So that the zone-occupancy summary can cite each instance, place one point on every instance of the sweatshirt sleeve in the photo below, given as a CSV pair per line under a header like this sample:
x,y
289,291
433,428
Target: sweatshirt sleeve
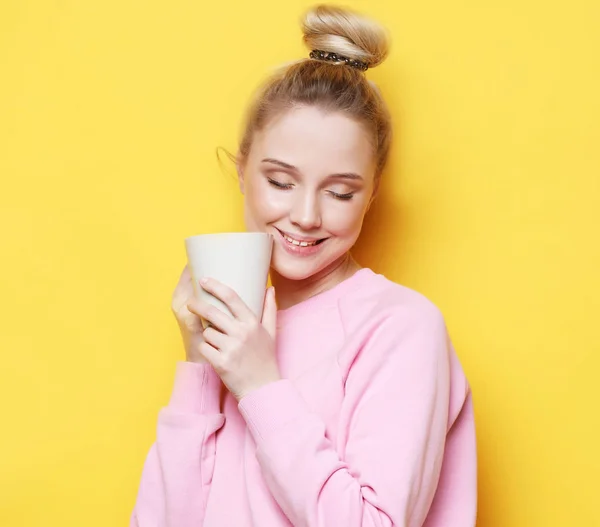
x,y
384,467
178,470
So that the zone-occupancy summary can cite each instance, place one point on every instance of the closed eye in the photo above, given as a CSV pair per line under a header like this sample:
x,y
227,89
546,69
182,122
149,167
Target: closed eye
x,y
287,186
347,196
277,184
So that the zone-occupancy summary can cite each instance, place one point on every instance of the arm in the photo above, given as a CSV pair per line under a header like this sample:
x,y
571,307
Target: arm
x,y
178,470
385,467
458,480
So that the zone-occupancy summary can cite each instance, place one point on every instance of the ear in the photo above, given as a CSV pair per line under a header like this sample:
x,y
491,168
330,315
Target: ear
x,y
240,171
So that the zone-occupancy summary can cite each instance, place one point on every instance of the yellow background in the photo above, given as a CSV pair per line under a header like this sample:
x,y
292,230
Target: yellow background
x,y
110,113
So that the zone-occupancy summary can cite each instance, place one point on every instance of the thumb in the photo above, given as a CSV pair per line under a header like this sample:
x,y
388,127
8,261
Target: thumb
x,y
269,315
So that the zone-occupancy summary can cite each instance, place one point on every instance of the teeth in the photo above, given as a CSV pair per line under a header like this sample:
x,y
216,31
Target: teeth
x,y
297,243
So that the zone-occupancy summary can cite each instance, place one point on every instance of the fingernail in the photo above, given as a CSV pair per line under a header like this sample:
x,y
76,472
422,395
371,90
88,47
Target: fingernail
x,y
204,281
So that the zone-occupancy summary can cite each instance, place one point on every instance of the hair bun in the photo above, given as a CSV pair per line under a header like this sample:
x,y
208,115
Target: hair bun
x,y
344,32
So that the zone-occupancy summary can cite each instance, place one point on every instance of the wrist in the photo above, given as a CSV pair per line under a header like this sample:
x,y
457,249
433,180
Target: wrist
x,y
196,360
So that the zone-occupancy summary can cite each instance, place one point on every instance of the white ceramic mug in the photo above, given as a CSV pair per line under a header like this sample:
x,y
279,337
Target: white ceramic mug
x,y
240,260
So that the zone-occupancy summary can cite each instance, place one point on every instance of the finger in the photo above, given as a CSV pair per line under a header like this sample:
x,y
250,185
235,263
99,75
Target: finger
x,y
185,273
229,297
215,338
212,355
182,289
211,314
185,277
269,314
189,321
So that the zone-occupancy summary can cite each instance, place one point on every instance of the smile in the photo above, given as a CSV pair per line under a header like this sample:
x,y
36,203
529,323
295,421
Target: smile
x,y
300,243
297,246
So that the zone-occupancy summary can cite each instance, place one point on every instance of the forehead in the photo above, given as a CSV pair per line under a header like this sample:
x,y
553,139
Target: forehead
x,y
317,142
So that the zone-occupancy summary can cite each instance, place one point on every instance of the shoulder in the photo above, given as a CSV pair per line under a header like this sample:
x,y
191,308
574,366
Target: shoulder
x,y
379,301
390,325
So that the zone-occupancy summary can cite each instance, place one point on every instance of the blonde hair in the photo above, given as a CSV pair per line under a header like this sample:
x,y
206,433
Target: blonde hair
x,y
328,85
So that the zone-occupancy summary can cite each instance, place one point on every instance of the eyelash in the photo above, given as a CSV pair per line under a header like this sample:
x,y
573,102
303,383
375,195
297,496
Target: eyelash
x,y
343,197
279,185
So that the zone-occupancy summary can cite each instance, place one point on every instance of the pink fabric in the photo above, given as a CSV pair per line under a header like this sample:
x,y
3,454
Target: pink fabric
x,y
372,425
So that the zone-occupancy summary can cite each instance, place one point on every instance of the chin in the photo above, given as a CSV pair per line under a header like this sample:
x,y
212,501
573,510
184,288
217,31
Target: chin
x,y
293,272
297,268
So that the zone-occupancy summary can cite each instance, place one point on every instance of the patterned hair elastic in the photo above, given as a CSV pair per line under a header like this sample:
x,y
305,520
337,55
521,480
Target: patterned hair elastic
x,y
338,59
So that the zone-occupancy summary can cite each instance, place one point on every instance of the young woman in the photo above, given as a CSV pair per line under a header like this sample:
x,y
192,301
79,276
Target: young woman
x,y
346,406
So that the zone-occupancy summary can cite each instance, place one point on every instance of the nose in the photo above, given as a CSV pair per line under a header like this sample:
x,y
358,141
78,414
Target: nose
x,y
306,212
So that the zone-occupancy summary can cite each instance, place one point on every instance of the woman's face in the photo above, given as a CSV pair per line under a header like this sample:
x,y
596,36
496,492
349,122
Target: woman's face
x,y
308,180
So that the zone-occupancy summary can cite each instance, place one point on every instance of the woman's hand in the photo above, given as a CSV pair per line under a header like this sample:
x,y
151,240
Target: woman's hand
x,y
189,323
241,348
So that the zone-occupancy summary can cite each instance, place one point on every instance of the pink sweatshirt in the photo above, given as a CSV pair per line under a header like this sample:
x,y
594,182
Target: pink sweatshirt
x,y
371,425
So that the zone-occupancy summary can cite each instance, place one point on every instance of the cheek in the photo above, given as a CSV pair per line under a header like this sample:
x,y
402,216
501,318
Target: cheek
x,y
263,202
345,221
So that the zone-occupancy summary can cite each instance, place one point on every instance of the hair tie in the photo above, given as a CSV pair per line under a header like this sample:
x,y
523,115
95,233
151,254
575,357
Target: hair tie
x,y
317,54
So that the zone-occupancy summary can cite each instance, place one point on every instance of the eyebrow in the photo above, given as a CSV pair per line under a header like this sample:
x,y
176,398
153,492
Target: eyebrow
x,y
287,166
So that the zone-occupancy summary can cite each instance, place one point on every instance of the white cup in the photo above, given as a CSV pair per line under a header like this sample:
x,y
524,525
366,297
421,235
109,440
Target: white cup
x,y
240,260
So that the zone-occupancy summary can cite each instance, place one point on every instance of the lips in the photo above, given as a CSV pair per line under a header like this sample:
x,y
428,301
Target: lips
x,y
300,246
301,241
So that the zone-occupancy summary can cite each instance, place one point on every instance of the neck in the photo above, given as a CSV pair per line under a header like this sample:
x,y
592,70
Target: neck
x,y
292,292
